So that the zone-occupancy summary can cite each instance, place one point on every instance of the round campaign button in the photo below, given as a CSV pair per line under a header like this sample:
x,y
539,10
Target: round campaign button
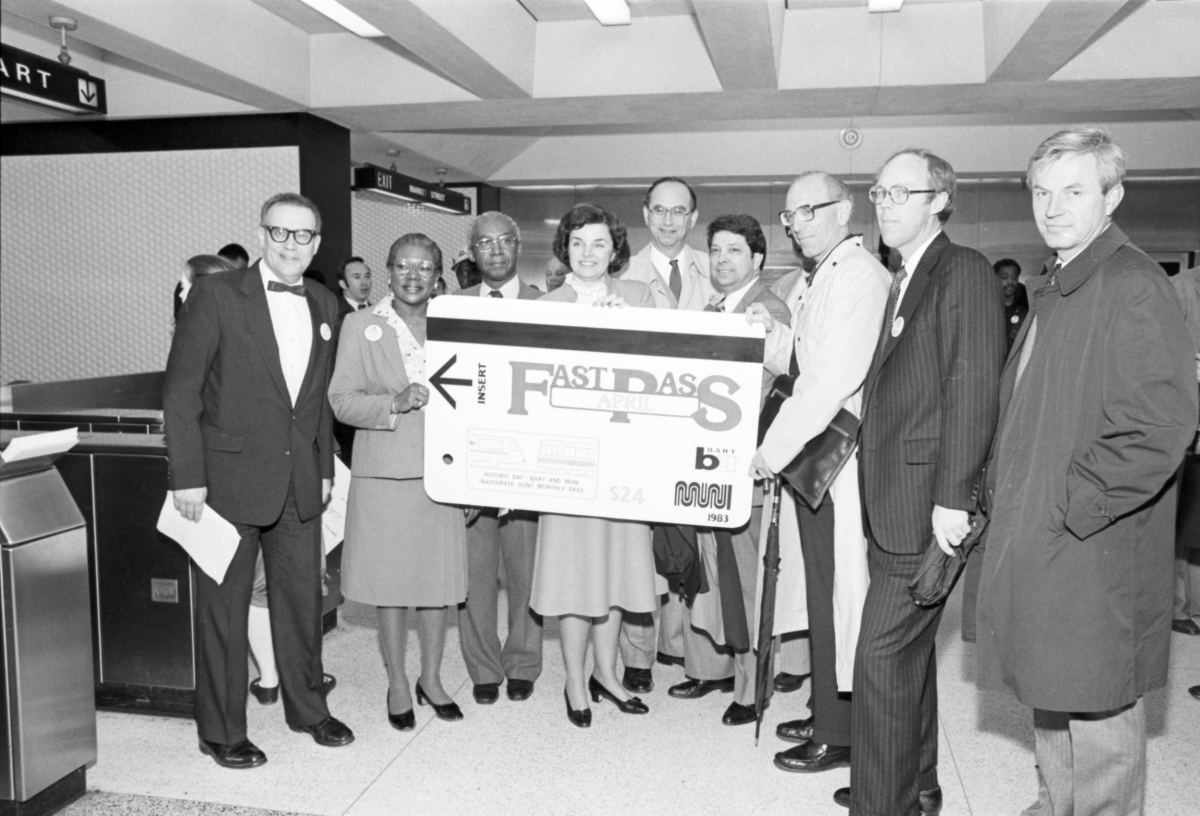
x,y
325,332
373,333
897,326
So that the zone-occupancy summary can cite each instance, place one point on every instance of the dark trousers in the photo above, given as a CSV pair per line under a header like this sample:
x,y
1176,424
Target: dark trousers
x,y
894,709
490,539
292,557
831,710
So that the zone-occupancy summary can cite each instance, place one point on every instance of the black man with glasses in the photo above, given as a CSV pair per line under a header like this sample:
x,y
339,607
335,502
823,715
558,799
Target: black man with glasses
x,y
249,434
930,406
495,247
678,277
837,310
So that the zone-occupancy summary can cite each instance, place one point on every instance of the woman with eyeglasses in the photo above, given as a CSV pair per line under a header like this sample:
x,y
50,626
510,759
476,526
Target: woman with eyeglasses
x,y
589,570
402,550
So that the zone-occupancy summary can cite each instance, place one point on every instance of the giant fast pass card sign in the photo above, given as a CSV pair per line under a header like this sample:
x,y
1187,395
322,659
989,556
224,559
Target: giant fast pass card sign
x,y
639,414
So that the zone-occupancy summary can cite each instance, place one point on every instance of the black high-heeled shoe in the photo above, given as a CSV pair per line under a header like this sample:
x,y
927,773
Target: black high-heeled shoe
x,y
401,722
582,718
448,712
633,705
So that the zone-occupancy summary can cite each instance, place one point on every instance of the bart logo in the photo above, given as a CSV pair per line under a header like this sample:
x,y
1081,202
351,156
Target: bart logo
x,y
87,93
715,459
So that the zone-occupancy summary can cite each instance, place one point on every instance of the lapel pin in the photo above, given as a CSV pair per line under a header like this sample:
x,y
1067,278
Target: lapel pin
x,y
373,333
897,326
325,333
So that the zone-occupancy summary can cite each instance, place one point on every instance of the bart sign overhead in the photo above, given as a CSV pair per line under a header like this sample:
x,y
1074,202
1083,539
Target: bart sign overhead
x,y
633,414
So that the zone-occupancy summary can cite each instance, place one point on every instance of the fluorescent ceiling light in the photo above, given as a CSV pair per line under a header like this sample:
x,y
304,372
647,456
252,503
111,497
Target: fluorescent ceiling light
x,y
875,6
344,17
610,12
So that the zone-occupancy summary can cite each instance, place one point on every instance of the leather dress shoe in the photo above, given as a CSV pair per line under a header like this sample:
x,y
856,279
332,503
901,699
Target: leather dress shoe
x,y
1195,692
795,730
401,722
637,681
1185,626
519,690
787,683
930,800
582,717
486,693
694,689
633,705
447,711
266,695
738,714
239,756
812,757
330,732
668,660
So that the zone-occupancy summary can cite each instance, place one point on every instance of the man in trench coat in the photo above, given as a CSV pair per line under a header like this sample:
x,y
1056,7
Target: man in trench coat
x,y
1098,403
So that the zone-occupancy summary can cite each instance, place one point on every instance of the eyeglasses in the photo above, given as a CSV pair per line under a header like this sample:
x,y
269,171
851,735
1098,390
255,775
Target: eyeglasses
x,y
897,194
659,212
804,213
280,235
402,268
490,244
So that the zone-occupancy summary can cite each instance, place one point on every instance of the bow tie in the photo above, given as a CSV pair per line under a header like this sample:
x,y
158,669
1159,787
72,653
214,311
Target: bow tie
x,y
276,286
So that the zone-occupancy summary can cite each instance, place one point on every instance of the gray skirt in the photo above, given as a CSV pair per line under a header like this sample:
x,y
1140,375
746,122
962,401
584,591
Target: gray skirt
x,y
402,548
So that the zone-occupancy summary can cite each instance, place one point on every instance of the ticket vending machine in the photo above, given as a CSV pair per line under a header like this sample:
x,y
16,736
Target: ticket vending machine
x,y
47,702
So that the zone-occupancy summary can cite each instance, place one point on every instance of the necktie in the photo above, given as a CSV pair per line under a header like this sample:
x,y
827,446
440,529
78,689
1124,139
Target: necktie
x,y
276,286
1054,273
495,293
720,304
676,281
894,297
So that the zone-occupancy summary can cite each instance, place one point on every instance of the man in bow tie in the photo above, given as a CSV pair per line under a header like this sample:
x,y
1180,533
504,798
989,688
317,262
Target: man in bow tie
x,y
249,436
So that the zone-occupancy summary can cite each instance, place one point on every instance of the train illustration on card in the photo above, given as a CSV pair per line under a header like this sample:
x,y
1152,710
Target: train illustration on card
x,y
506,460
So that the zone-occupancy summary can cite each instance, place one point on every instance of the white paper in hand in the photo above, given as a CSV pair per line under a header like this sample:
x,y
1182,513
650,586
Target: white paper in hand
x,y
333,520
211,542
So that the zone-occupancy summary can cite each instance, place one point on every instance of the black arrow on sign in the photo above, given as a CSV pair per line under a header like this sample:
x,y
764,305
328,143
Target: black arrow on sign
x,y
437,381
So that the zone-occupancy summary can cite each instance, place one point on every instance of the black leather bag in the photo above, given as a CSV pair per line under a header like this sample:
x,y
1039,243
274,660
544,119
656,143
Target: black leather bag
x,y
813,470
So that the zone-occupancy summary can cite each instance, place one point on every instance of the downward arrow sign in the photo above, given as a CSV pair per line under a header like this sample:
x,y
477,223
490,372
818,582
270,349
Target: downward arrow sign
x,y
438,381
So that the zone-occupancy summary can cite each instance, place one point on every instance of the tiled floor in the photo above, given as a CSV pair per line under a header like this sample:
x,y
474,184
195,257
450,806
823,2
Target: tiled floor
x,y
525,758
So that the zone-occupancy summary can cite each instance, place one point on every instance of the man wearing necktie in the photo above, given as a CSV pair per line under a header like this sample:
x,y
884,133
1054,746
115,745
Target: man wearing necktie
x,y
1098,405
678,278
249,436
737,251
355,282
496,245
828,349
929,412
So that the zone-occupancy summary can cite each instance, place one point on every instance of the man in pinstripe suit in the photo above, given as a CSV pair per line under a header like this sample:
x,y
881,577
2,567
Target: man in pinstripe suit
x,y
929,412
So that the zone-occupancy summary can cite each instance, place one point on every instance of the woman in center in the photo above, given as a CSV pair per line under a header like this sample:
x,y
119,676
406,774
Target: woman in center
x,y
588,570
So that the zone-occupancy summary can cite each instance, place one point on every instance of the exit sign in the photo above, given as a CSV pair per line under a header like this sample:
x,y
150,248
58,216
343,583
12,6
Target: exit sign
x,y
48,82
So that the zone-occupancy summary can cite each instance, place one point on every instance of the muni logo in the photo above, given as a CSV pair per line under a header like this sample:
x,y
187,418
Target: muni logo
x,y
703,494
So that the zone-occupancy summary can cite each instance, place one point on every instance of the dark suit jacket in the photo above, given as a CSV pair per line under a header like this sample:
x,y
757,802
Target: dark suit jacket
x,y
525,292
229,421
759,292
930,400
344,308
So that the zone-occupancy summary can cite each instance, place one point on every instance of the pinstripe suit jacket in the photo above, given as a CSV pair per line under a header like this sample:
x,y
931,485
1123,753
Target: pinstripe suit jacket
x,y
930,401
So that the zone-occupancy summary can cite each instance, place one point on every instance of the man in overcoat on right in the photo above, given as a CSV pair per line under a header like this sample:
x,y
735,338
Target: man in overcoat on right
x,y
1098,403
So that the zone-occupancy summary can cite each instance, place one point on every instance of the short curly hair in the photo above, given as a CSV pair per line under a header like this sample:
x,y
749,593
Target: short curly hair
x,y
580,216
418,239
